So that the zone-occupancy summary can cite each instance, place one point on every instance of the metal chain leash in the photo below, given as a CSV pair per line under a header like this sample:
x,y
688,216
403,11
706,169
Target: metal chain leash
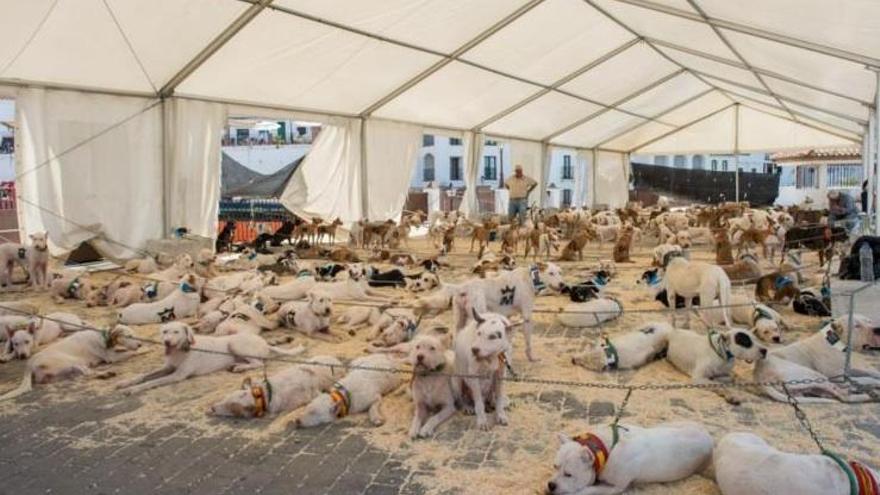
x,y
802,417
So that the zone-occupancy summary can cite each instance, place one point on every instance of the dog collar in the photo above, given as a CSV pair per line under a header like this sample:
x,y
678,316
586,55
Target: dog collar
x,y
597,447
185,287
611,357
782,281
151,290
252,255
833,339
717,344
73,287
861,480
502,358
342,398
410,330
41,249
654,279
22,253
761,314
304,273
262,397
109,339
600,280
535,275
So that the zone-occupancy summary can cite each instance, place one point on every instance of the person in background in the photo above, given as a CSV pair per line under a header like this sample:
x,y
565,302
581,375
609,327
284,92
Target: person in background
x,y
842,210
520,187
865,196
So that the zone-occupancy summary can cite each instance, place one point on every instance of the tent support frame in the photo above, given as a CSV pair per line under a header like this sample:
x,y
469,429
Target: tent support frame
x,y
874,158
680,128
736,148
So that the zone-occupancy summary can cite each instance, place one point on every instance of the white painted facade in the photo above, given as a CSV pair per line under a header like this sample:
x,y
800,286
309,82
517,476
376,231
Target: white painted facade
x,y
440,162
748,162
7,118
807,183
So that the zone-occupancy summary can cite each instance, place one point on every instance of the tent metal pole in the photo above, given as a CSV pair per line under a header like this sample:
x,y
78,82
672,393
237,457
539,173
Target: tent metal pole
x,y
166,155
868,164
683,126
796,112
614,105
739,65
736,148
594,165
656,117
875,157
759,33
216,44
738,55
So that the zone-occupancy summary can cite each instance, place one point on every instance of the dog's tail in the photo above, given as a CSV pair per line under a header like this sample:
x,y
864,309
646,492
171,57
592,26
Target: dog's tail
x,y
296,351
26,385
780,397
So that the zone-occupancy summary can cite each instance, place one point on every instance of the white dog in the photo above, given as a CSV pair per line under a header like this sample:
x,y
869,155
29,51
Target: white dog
x,y
746,465
182,303
22,340
481,348
608,462
590,314
75,355
311,317
284,391
709,359
245,319
690,279
507,294
431,388
33,258
777,369
291,291
186,357
182,264
360,390
626,351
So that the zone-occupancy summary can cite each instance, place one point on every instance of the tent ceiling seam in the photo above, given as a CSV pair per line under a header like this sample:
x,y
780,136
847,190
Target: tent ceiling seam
x,y
130,46
763,72
759,33
801,114
30,39
213,46
805,124
738,55
680,128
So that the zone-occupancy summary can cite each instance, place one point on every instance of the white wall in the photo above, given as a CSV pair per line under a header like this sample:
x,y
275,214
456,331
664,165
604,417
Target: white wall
x,y
7,167
266,159
747,161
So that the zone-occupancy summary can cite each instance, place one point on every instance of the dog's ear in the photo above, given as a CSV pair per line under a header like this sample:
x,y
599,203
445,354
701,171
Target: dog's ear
x,y
190,336
32,327
563,437
477,316
246,383
10,331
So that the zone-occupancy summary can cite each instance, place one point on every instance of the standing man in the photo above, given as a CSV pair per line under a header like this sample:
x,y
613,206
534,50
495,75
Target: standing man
x,y
842,211
520,187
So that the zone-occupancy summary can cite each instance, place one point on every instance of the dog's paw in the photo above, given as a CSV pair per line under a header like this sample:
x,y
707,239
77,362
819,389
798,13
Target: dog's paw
x,y
733,400
483,424
467,411
501,418
426,432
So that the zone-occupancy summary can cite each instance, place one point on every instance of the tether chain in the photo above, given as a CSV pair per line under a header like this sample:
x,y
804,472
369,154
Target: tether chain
x,y
622,406
802,418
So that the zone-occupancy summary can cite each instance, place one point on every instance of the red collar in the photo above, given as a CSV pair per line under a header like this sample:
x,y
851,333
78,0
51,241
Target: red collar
x,y
597,447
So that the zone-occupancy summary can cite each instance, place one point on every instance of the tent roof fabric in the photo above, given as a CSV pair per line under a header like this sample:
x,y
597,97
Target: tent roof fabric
x,y
244,182
622,75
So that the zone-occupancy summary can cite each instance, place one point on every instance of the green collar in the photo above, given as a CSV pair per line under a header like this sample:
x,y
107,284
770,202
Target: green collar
x,y
611,357
853,482
717,344
761,314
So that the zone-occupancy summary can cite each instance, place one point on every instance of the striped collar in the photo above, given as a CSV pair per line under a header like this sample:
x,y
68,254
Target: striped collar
x,y
341,397
597,447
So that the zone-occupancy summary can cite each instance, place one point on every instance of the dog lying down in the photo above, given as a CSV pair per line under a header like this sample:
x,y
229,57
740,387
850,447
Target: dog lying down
x,y
284,391
591,313
746,465
626,351
23,339
186,357
607,462
75,355
360,390
182,303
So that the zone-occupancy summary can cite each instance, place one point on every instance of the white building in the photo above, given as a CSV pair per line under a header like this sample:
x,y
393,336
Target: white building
x,y
808,175
252,131
440,163
748,162
7,142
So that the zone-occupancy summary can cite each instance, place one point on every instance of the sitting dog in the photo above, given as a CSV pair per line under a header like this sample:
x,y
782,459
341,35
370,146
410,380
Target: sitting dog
x,y
746,465
360,390
34,259
433,398
608,460
236,353
182,303
623,245
481,348
708,359
75,355
626,351
283,392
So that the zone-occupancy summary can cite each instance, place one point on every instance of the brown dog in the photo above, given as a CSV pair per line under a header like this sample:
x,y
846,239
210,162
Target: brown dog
x,y
623,245
576,246
481,234
723,250
746,269
342,254
776,288
329,230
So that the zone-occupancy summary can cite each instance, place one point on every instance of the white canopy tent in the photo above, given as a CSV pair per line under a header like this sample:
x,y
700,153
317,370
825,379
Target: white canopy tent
x,y
605,77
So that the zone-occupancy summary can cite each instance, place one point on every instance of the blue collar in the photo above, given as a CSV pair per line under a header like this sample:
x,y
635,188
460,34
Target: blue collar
x,y
535,275
782,281
304,273
186,288
252,256
600,280
654,279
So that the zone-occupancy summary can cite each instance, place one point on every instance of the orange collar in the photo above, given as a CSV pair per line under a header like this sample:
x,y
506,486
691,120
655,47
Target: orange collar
x,y
261,402
597,447
342,397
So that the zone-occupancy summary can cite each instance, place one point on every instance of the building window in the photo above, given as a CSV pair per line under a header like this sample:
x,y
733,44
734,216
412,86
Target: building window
x,y
454,142
661,160
566,168
679,161
454,168
724,165
490,170
301,131
428,170
489,142
787,177
697,162
807,177
844,175
428,140
714,165
566,197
